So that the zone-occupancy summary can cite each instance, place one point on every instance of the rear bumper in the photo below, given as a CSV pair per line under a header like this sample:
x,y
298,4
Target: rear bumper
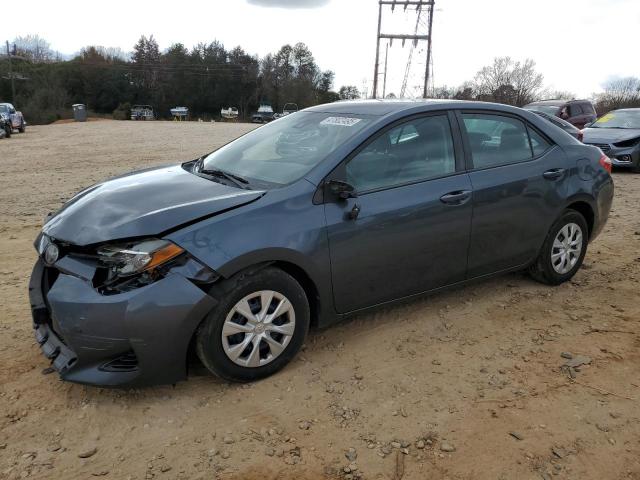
x,y
136,338
604,199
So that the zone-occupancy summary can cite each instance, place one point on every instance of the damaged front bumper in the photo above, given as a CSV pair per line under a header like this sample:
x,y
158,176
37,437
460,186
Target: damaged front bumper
x,y
134,338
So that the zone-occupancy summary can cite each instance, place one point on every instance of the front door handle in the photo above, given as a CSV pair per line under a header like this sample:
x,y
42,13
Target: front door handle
x,y
459,197
553,174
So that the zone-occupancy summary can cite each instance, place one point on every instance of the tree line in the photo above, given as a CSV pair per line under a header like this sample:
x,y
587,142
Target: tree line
x,y
208,77
518,83
204,78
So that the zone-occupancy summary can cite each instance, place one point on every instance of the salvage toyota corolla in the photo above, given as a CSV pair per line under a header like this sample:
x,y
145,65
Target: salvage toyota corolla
x,y
317,215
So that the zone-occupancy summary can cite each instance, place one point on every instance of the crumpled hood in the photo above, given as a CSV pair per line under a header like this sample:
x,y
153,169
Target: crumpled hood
x,y
144,203
609,135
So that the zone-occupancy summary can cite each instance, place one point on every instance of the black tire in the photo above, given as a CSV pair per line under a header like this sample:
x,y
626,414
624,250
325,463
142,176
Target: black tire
x,y
209,344
542,269
8,130
22,127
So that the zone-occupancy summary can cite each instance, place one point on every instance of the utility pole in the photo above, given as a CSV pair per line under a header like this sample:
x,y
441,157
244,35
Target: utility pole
x,y
426,74
375,70
13,86
384,81
415,37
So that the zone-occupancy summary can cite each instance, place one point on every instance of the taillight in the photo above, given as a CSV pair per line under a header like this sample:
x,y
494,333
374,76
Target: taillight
x,y
580,135
605,162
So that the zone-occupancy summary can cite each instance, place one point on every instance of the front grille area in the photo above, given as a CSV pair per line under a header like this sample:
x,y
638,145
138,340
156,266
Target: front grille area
x,y
127,362
49,277
605,147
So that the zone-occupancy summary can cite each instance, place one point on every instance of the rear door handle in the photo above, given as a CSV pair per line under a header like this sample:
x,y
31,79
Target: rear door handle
x,y
456,198
553,174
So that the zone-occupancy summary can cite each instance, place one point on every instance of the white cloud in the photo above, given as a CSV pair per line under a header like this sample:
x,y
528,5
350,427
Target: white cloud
x,y
289,3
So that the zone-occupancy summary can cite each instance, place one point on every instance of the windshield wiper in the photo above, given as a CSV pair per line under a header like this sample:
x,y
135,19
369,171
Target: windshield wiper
x,y
237,180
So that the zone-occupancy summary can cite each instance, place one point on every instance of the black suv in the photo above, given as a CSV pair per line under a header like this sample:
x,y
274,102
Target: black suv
x,y
576,112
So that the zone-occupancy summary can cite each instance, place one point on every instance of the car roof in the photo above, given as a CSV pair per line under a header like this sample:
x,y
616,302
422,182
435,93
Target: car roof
x,y
627,110
388,106
557,102
554,119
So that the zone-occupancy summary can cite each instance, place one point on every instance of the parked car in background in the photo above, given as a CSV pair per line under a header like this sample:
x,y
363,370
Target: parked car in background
x,y
558,122
16,119
238,252
577,112
263,115
230,113
142,112
5,125
288,109
617,133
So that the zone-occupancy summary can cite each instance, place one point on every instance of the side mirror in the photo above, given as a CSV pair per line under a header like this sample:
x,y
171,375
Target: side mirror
x,y
342,190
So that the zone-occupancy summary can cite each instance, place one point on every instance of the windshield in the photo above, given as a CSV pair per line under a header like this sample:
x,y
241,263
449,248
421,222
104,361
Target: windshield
x,y
286,149
619,119
548,109
4,109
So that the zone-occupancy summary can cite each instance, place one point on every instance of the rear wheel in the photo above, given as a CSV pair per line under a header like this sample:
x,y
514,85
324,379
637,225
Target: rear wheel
x,y
257,328
563,250
22,127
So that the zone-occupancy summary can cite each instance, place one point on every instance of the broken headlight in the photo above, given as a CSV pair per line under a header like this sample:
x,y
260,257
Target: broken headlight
x,y
132,259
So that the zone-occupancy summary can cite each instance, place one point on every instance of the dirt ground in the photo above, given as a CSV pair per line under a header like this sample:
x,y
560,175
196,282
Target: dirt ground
x,y
465,384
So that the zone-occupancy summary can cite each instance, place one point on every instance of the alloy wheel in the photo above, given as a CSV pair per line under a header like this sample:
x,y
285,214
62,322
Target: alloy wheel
x,y
258,328
566,248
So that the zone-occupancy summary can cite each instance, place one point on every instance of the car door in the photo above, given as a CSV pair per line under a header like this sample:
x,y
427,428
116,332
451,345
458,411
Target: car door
x,y
518,177
407,231
589,113
576,115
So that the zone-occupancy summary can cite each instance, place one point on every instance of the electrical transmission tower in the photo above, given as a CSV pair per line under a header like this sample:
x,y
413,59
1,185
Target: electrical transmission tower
x,y
424,21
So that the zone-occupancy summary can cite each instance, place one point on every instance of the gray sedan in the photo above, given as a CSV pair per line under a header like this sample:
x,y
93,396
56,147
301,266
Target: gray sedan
x,y
321,214
560,123
618,135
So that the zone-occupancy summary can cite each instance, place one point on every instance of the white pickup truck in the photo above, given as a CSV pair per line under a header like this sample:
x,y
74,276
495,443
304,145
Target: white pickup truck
x,y
16,120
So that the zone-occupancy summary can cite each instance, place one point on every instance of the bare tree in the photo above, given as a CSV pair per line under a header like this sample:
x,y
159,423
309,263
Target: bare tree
x,y
526,82
508,81
557,94
34,48
619,93
443,92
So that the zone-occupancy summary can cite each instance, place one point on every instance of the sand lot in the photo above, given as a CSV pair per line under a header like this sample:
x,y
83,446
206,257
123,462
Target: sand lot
x,y
464,384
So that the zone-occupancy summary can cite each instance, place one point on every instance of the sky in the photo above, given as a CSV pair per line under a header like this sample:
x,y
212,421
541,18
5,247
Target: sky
x,y
576,44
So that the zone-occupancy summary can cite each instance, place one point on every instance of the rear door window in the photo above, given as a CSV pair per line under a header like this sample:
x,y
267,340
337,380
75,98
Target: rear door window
x,y
501,140
539,144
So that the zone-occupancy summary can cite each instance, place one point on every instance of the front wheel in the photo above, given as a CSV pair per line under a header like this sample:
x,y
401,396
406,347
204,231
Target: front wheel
x,y
257,328
8,130
563,250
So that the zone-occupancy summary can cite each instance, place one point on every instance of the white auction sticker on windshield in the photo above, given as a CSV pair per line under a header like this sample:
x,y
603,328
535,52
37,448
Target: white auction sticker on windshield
x,y
341,121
